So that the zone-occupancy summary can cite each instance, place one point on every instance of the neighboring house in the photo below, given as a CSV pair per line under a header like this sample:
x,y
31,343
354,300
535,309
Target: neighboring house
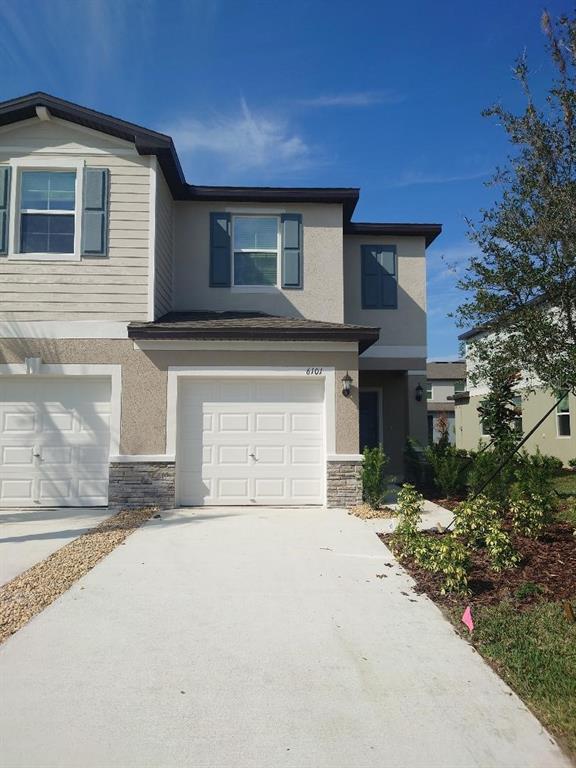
x,y
556,436
167,343
443,380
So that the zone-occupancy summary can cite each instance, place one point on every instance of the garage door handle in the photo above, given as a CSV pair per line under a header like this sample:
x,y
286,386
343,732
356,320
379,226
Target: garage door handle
x,y
253,456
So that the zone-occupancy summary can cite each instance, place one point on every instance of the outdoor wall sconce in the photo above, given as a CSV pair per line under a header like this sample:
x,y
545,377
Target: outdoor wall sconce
x,y
347,385
419,393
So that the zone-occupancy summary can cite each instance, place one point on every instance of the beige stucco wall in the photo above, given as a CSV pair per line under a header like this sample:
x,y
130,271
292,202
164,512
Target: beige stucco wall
x,y
534,406
144,381
322,295
111,288
405,325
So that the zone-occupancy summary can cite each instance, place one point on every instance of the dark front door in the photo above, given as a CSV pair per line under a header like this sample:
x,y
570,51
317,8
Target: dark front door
x,y
369,420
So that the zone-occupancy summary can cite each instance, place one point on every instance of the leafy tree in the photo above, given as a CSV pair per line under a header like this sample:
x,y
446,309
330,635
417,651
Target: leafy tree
x,y
522,284
499,410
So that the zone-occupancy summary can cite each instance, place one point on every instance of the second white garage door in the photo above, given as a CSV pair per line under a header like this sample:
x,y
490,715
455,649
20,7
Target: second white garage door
x,y
54,441
251,441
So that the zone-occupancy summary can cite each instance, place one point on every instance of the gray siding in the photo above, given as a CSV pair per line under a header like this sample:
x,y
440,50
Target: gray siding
x,y
111,288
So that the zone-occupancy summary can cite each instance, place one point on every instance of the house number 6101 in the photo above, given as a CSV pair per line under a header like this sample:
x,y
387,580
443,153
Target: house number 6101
x,y
313,371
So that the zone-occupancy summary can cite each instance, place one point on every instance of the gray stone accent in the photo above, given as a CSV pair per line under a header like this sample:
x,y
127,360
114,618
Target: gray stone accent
x,y
344,483
142,484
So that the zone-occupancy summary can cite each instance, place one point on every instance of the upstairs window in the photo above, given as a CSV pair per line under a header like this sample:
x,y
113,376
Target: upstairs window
x,y
563,417
379,277
255,250
428,391
47,211
460,386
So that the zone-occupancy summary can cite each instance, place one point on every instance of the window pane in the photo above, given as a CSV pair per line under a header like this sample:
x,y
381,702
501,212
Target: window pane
x,y
43,233
460,386
564,425
48,190
429,391
255,268
563,406
255,232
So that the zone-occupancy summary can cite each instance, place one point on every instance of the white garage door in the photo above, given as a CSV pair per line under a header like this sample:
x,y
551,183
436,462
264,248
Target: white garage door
x,y
54,441
245,441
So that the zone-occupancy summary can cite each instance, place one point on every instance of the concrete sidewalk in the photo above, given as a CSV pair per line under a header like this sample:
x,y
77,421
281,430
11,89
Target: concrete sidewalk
x,y
30,535
254,639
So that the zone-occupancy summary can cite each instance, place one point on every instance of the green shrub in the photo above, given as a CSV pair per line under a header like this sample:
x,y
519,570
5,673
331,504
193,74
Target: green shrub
x,y
535,475
450,467
479,524
500,550
572,463
483,466
448,556
374,482
529,515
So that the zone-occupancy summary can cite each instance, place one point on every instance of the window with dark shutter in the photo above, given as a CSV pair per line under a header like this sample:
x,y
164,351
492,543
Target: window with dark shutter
x,y
379,277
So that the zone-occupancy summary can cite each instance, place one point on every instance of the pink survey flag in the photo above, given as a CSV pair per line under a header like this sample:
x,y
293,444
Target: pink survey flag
x,y
467,619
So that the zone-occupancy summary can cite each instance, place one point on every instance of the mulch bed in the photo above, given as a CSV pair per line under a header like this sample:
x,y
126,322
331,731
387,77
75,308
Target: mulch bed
x,y
549,562
32,591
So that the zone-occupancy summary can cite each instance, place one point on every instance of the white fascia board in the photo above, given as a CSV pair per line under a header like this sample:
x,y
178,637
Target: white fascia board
x,y
152,238
58,329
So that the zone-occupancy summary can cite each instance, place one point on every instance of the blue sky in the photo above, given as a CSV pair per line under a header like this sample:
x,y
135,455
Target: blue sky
x,y
385,96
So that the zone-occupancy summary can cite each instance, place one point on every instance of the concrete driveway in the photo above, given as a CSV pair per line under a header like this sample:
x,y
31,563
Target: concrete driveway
x,y
30,535
255,639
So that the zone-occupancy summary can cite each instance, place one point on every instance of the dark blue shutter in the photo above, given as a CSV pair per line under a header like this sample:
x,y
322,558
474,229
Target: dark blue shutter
x,y
95,212
292,255
220,254
5,175
379,278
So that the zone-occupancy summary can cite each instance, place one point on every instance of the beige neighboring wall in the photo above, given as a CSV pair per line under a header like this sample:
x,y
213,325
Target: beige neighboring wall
x,y
110,288
534,406
406,325
144,381
322,295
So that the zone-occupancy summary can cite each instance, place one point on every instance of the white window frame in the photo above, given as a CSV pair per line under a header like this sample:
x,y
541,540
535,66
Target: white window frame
x,y
564,413
44,164
257,288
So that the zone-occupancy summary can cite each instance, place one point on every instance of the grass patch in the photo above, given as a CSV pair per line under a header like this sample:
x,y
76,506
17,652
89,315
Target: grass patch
x,y
566,483
535,652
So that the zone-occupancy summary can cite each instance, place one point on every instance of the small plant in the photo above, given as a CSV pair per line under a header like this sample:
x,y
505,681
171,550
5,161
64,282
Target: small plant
x,y
448,556
373,480
572,463
474,519
500,550
418,471
407,539
479,524
528,515
527,589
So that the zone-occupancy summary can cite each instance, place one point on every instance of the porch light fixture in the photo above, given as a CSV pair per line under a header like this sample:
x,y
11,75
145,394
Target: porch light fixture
x,y
419,393
347,385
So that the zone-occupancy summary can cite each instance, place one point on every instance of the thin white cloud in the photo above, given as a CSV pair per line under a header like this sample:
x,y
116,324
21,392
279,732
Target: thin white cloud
x,y
244,141
354,99
413,178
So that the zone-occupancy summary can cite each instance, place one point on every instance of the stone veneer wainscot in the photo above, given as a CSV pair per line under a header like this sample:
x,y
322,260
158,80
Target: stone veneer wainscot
x,y
142,484
344,483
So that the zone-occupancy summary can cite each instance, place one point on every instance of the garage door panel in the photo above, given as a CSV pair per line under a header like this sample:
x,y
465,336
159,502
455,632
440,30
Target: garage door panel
x,y
18,420
266,448
54,442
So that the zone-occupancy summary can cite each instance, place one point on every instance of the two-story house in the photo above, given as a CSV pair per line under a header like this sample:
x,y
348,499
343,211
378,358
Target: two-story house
x,y
445,378
162,342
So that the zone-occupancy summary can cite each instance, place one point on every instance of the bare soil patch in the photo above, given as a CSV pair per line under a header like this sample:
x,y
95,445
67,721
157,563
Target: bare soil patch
x,y
32,591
